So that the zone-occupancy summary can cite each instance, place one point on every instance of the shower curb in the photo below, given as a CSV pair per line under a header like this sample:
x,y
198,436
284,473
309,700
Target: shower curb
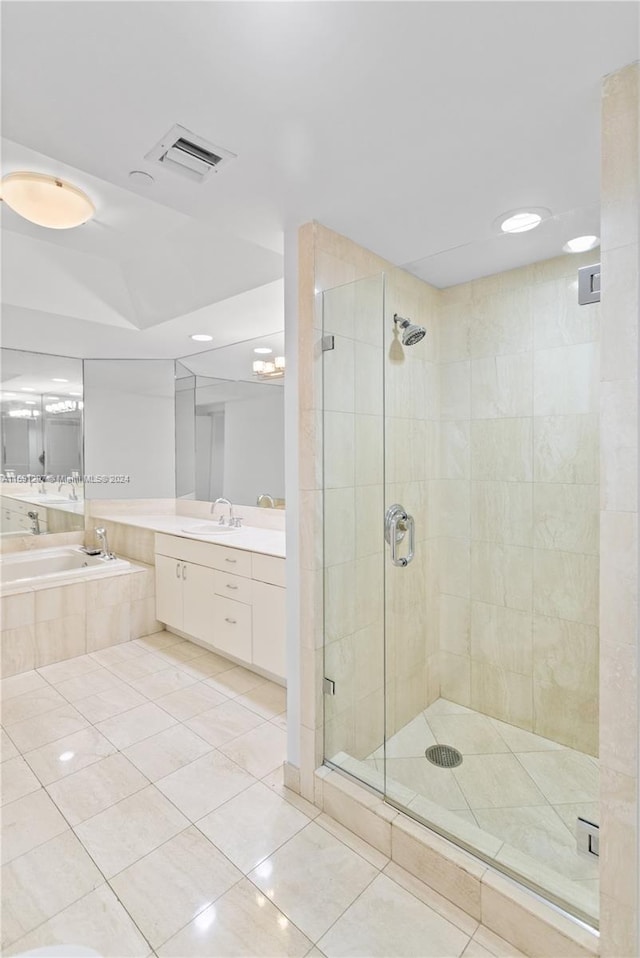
x,y
532,925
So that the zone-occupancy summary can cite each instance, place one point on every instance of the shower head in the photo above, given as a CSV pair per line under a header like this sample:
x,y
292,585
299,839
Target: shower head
x,y
411,334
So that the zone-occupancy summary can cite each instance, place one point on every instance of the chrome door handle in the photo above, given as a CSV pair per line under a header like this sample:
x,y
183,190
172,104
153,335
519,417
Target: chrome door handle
x,y
397,522
184,572
177,570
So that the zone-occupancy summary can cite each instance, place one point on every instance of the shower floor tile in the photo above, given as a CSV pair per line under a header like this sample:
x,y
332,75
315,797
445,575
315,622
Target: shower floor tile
x,y
514,787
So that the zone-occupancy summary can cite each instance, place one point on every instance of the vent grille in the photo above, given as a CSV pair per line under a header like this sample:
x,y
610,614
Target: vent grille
x,y
189,155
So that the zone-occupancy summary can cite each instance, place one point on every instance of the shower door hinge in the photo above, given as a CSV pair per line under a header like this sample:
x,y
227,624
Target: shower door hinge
x,y
328,686
588,837
328,342
589,284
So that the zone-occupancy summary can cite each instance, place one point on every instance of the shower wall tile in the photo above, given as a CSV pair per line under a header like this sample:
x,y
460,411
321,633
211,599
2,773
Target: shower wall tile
x,y
454,329
502,512
502,386
454,576
567,717
502,574
500,321
620,289
566,654
566,517
558,318
451,503
502,694
565,585
455,624
339,377
339,526
455,390
502,449
369,530
619,424
369,391
455,678
565,380
339,446
502,637
369,449
455,449
565,449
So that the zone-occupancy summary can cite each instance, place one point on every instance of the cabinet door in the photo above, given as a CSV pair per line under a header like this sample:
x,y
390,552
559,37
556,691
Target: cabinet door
x,y
169,591
269,628
199,592
232,628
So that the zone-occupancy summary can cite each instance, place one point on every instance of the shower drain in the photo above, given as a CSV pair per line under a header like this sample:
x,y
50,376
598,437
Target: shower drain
x,y
445,756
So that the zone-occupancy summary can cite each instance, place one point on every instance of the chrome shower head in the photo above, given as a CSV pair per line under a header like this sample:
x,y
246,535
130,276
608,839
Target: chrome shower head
x,y
411,333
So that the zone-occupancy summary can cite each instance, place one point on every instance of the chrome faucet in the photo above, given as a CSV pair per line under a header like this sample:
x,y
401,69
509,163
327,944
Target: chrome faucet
x,y
72,494
265,495
101,534
35,523
226,502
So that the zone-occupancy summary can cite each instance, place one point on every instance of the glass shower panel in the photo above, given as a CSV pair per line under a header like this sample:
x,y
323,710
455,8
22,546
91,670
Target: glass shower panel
x,y
353,483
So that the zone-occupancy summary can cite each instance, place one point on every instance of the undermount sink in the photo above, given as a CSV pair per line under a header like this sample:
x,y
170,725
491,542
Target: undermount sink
x,y
208,529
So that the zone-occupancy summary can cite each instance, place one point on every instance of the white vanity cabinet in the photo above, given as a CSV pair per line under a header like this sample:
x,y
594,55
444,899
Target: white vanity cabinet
x,y
230,600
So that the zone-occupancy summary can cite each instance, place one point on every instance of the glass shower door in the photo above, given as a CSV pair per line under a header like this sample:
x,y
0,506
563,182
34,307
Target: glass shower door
x,y
353,506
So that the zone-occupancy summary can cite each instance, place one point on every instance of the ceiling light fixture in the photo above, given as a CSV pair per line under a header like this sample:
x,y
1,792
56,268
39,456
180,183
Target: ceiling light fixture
x,y
520,222
201,338
580,244
269,370
46,200
27,389
54,380
263,350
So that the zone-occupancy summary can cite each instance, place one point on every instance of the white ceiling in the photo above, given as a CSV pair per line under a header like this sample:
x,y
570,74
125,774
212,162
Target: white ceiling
x,y
407,126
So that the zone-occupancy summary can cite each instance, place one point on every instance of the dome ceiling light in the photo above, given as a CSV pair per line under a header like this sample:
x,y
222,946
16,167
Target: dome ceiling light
x,y
581,244
46,200
521,221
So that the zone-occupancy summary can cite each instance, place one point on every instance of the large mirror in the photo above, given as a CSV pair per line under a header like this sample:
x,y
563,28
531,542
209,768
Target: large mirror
x,y
230,423
41,412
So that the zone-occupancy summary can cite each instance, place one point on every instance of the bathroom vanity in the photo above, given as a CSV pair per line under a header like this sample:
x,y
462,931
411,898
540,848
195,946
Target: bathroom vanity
x,y
230,599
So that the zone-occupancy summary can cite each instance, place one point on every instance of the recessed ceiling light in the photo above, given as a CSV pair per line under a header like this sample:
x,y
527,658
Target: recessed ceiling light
x,y
140,178
27,389
30,402
263,350
71,394
54,380
520,222
201,338
580,244
55,397
46,200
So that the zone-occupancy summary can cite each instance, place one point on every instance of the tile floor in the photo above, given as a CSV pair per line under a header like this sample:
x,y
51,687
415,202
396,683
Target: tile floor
x,y
521,794
144,814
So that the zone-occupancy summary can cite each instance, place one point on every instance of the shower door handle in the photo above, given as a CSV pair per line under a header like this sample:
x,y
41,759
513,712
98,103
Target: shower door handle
x,y
397,523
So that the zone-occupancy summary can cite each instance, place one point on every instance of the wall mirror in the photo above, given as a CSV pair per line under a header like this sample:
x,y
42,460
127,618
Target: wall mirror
x,y
230,423
41,424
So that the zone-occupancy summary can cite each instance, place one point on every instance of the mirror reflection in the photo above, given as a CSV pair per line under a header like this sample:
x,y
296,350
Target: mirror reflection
x,y
41,411
230,423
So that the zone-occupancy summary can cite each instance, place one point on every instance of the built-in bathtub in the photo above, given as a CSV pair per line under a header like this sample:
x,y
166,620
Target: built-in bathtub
x,y
31,568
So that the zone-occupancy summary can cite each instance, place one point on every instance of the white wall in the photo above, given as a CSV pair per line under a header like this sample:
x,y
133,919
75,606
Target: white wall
x,y
185,439
253,444
129,417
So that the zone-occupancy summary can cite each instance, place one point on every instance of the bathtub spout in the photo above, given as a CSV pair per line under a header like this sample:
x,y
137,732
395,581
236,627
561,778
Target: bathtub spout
x,y
101,534
35,523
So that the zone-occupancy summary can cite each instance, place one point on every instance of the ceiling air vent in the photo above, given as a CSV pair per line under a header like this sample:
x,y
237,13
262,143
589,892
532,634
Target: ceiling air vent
x,y
188,154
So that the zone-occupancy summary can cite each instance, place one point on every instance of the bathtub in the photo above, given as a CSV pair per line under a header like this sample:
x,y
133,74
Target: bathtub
x,y
38,566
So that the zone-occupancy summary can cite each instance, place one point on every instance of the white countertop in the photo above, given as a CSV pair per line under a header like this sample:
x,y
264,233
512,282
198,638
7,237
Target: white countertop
x,y
64,504
250,538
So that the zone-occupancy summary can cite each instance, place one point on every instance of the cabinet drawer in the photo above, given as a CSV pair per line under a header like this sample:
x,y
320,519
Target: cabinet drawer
x,y
232,587
232,628
208,554
269,569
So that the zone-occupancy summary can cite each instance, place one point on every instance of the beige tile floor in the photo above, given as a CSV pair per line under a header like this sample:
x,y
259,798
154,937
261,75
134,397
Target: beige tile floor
x,y
144,814
523,792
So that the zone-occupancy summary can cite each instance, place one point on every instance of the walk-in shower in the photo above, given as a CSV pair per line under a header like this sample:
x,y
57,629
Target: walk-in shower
x,y
460,496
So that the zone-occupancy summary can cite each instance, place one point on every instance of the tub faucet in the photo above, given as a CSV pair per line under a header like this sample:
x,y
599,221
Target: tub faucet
x,y
101,534
265,497
35,523
226,502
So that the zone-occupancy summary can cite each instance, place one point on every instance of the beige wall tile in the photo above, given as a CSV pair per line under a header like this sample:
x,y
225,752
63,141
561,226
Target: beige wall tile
x,y
502,637
60,602
500,324
504,695
455,624
502,386
502,449
619,445
454,328
565,380
143,618
620,291
618,828
18,610
559,320
619,706
58,639
568,716
18,650
502,512
455,390
502,574
455,678
566,517
565,449
108,626
454,571
454,449
619,577
565,585
339,449
620,181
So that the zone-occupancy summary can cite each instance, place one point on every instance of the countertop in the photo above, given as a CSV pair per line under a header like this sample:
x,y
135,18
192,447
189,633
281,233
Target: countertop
x,y
46,501
250,538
